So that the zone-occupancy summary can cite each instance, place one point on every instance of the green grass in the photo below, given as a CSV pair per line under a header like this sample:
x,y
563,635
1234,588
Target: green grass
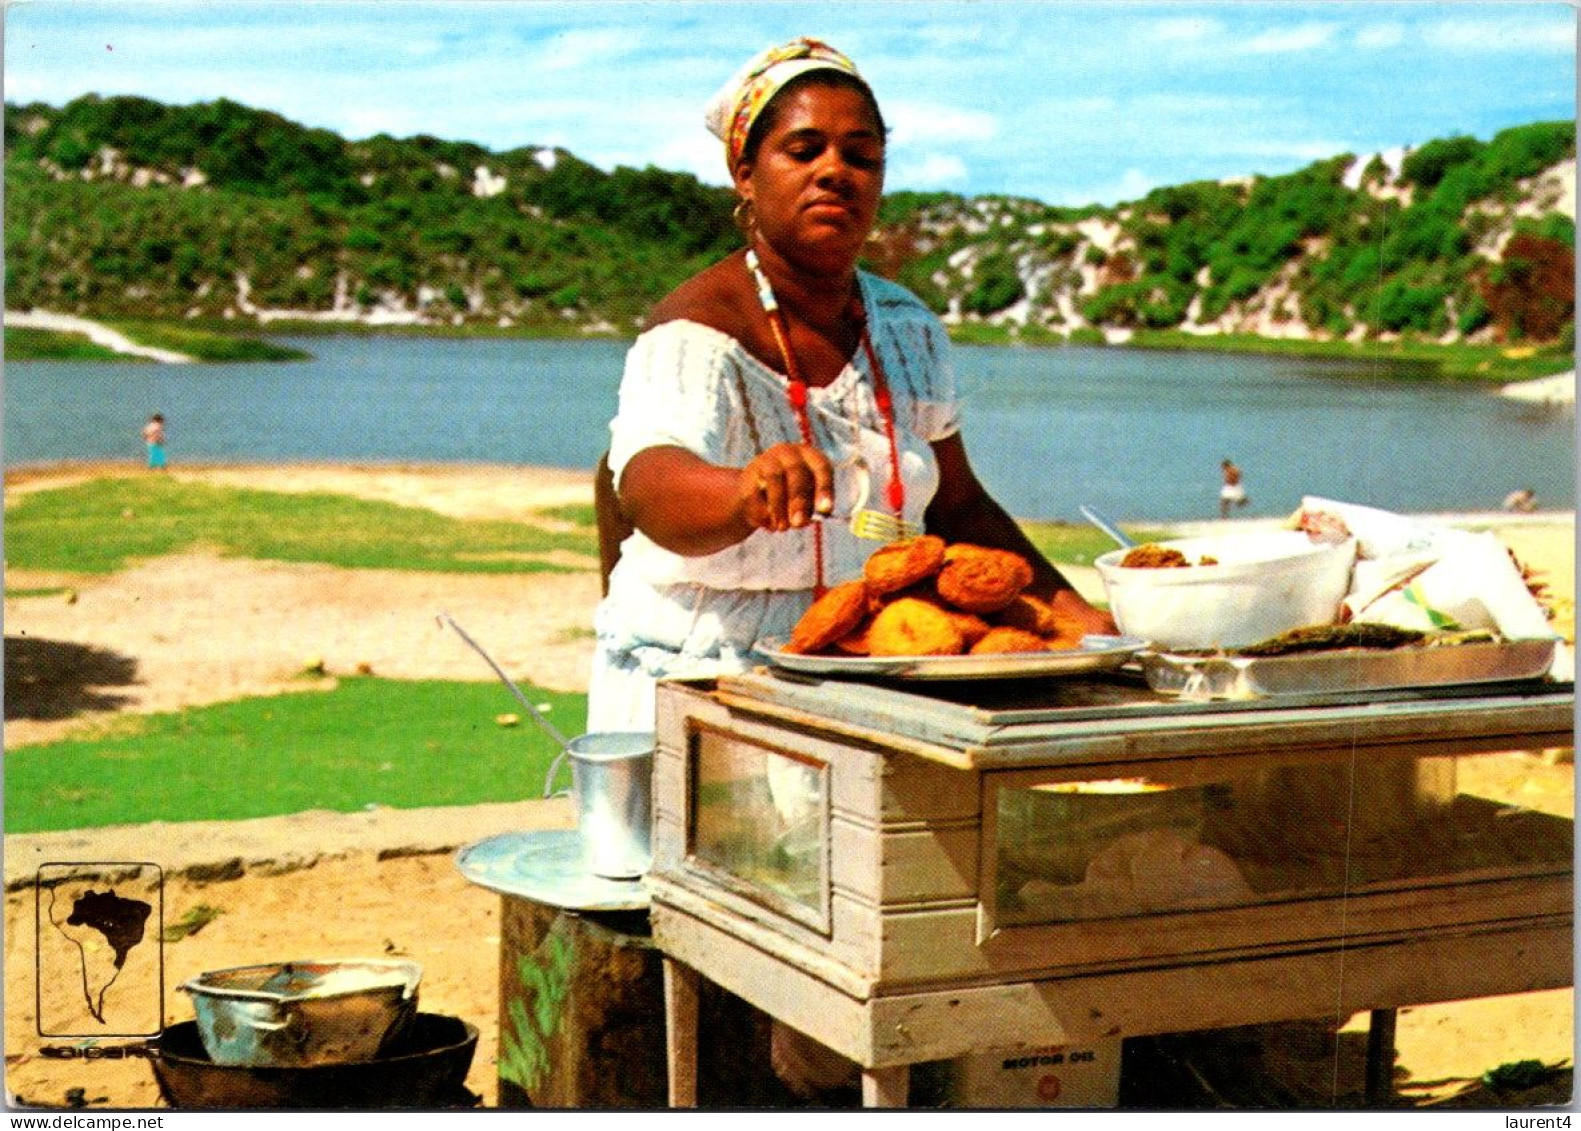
x,y
368,742
579,514
23,343
1431,360
1404,360
1080,544
203,344
100,526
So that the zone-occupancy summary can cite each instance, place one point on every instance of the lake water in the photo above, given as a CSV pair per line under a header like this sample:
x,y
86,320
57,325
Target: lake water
x,y
1136,433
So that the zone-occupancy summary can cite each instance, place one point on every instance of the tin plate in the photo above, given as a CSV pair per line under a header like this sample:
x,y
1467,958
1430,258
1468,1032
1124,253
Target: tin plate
x,y
1345,670
1097,654
546,866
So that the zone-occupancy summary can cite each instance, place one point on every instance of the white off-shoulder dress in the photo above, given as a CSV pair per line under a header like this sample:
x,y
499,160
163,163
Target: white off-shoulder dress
x,y
690,386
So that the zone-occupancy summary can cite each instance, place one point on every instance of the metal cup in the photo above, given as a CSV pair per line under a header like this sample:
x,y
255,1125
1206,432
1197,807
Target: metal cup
x,y
612,783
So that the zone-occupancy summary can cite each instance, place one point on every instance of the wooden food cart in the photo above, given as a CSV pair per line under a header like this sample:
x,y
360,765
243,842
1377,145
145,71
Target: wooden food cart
x,y
912,872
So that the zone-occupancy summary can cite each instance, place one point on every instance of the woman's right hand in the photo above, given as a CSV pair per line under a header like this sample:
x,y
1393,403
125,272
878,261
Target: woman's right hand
x,y
784,487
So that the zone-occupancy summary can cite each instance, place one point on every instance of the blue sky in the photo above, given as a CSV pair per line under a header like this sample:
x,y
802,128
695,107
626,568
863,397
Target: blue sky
x,y
1069,103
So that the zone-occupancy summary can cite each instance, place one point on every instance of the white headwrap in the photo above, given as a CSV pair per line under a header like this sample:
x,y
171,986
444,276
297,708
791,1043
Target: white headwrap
x,y
731,112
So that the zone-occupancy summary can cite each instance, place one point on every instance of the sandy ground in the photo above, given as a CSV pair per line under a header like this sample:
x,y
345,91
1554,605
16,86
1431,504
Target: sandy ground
x,y
203,628
197,628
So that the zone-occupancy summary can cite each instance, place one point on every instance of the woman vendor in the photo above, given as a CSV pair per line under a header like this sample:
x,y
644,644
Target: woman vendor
x,y
762,393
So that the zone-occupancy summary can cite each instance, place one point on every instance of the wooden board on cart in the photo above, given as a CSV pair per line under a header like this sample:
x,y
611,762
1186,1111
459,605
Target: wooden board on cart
x,y
937,1024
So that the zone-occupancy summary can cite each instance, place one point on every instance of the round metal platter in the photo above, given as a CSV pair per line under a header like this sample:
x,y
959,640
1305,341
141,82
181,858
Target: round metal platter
x,y
546,866
1096,654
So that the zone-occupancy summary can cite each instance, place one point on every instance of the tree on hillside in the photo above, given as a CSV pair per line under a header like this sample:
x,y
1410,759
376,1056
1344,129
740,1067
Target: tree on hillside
x,y
1530,293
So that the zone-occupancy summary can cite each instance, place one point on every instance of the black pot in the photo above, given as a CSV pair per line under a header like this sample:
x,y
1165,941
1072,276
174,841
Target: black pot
x,y
425,1070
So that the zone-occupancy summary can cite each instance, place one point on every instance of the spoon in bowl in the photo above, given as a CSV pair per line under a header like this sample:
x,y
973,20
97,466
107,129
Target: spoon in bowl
x,y
1106,526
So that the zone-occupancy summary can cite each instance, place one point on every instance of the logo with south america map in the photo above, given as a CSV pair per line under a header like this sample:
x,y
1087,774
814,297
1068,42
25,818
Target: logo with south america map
x,y
100,954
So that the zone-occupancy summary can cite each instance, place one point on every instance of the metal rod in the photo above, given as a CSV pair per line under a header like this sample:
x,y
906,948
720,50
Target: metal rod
x,y
538,716
1107,527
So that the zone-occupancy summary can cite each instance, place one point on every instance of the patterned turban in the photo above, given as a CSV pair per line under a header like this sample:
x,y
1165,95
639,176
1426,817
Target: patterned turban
x,y
731,112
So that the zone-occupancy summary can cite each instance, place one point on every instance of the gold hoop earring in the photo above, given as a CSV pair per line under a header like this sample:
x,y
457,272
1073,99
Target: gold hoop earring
x,y
745,217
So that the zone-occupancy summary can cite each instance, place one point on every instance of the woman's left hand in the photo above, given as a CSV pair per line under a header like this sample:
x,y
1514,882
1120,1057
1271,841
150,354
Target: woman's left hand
x,y
1071,605
962,511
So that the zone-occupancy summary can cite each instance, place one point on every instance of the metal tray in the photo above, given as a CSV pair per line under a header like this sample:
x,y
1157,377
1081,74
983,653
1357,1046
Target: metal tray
x,y
547,866
1345,669
1096,654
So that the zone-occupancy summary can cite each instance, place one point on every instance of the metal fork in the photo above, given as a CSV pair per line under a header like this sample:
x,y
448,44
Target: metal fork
x,y
875,525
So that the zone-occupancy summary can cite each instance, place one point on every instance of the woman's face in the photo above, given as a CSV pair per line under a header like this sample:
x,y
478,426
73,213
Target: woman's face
x,y
816,180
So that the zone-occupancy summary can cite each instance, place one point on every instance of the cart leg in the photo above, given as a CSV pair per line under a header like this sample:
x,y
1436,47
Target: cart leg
x,y
886,1087
1380,1058
680,1031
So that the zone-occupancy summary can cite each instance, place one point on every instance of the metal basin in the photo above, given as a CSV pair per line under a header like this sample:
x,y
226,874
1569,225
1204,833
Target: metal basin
x,y
304,1012
427,1068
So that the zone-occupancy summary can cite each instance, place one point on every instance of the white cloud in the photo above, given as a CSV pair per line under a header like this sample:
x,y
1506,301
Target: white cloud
x,y
581,48
1185,30
1022,96
1502,35
1375,37
1090,105
373,118
951,35
1303,37
1132,184
698,152
1307,151
934,170
1193,103
935,123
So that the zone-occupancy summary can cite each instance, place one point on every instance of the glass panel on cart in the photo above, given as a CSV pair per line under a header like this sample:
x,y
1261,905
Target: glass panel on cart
x,y
760,815
1188,838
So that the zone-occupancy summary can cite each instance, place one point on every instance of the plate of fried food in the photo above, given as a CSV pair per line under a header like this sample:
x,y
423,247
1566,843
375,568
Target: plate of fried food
x,y
927,610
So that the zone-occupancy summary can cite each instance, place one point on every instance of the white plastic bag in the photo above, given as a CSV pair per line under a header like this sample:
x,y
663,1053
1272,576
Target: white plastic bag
x,y
1419,575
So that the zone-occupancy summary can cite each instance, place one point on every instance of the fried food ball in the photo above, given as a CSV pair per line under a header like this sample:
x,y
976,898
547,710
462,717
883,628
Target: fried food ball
x,y
982,580
1150,555
1003,639
1068,637
831,616
923,590
910,626
900,565
973,627
1034,614
856,642
1030,613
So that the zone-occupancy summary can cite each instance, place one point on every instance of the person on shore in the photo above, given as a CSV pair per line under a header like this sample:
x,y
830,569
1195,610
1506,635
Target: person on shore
x,y
1233,492
154,441
1522,501
757,394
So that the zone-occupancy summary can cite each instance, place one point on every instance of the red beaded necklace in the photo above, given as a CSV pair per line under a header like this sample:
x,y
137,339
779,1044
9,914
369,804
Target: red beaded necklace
x,y
796,393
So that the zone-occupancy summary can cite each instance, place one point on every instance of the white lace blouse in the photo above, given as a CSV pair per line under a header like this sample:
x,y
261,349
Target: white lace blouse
x,y
690,386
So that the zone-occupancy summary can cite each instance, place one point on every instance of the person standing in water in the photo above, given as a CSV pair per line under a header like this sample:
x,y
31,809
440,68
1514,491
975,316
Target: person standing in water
x,y
1232,494
154,438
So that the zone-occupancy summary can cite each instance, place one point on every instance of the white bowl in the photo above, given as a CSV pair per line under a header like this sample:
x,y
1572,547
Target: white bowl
x,y
1265,583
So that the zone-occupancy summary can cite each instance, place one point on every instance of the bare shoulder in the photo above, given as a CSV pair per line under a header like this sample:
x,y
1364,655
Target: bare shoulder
x,y
717,296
